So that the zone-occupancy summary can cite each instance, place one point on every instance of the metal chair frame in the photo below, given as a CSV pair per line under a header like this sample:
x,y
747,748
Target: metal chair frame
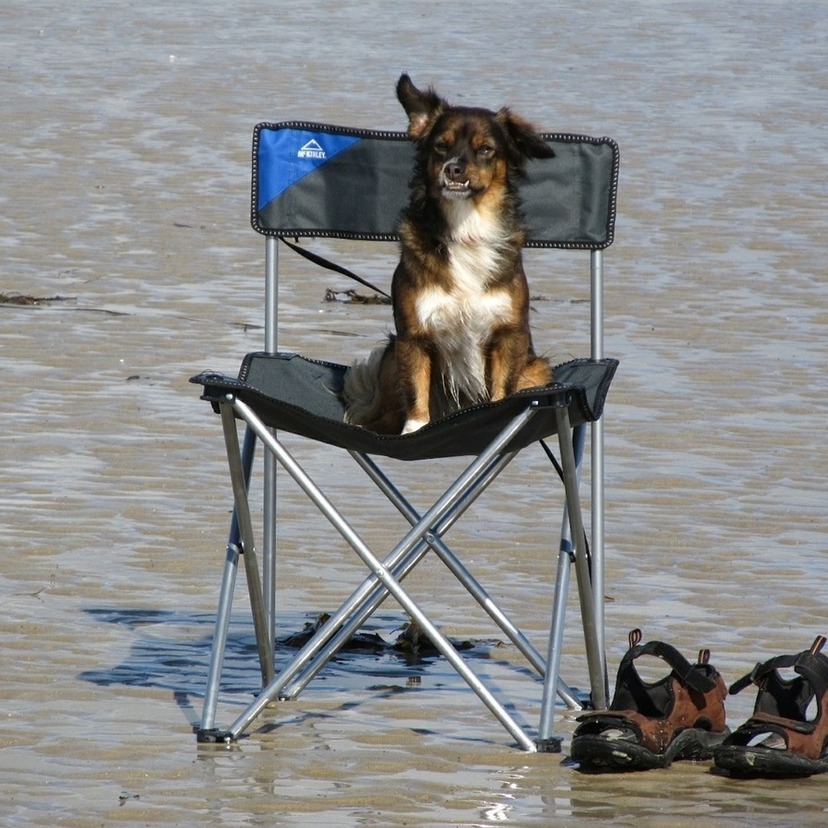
x,y
426,534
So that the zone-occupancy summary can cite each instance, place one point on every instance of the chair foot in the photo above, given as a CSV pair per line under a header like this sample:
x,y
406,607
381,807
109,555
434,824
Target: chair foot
x,y
213,736
550,745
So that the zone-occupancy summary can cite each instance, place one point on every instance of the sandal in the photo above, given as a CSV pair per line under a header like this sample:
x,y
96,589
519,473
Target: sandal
x,y
681,716
780,739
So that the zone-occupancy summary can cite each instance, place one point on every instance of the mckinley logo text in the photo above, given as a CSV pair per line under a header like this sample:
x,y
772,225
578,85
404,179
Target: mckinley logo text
x,y
312,150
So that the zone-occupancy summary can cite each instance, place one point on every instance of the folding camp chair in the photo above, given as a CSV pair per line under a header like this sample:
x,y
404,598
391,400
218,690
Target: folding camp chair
x,y
313,180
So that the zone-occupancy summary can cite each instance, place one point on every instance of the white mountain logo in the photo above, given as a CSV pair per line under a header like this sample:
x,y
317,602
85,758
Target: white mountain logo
x,y
312,150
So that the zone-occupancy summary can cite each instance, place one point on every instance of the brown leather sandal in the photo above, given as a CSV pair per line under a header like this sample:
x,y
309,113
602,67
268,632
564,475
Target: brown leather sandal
x,y
682,716
780,739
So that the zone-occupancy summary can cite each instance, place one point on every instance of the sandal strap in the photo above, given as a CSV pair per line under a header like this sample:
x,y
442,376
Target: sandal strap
x,y
815,670
809,663
758,673
767,721
689,673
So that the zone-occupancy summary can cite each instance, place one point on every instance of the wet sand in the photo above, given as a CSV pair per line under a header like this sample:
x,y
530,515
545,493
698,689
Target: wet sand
x,y
125,175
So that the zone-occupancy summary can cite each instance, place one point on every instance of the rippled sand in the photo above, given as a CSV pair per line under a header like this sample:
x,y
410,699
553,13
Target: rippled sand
x,y
124,191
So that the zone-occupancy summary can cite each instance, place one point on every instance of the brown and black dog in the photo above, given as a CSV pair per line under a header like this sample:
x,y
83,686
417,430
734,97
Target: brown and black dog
x,y
460,297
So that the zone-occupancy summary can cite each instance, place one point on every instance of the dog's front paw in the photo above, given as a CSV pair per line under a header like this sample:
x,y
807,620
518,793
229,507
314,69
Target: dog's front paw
x,y
413,424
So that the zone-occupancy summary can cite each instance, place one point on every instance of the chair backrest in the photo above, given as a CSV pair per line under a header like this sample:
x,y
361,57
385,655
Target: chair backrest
x,y
313,179
316,180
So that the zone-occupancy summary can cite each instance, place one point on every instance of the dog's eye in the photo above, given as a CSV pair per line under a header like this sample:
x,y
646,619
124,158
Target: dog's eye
x,y
485,151
441,146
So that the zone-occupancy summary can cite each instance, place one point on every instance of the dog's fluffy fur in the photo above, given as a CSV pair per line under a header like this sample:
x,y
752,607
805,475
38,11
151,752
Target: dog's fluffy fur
x,y
460,297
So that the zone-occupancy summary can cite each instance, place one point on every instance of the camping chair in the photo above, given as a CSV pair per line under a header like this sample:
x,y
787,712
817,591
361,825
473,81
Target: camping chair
x,y
313,180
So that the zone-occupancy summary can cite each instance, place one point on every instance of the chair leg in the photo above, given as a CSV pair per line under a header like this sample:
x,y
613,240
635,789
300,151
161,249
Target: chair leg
x,y
596,661
219,644
240,479
566,557
225,604
547,741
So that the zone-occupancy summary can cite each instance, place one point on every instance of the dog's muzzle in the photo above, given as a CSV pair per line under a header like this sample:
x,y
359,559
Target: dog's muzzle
x,y
455,182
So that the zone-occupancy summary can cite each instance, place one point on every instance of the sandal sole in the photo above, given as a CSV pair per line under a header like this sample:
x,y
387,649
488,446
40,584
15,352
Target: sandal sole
x,y
758,761
622,755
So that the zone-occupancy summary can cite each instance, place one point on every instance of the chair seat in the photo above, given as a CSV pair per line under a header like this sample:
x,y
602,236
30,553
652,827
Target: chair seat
x,y
303,396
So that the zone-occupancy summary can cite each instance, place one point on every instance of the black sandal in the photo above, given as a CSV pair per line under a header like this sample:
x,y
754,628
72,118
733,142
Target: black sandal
x,y
682,716
779,739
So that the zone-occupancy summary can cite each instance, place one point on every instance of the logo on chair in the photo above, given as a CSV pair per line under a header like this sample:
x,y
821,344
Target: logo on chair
x,y
312,150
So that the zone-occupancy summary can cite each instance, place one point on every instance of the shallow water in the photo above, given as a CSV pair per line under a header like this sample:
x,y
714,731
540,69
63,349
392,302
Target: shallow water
x,y
125,177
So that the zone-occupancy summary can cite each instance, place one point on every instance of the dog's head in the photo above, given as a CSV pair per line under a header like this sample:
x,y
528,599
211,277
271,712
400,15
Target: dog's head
x,y
465,152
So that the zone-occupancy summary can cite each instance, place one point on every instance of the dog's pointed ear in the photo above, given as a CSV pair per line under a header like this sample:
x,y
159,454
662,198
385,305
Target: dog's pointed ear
x,y
422,108
525,138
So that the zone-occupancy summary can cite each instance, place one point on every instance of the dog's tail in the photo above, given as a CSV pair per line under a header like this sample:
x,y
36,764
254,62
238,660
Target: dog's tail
x,y
361,390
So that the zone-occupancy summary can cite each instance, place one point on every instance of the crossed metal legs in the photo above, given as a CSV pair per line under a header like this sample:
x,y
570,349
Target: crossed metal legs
x,y
426,533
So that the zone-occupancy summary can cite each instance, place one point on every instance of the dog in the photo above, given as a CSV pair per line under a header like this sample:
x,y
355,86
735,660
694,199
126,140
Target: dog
x,y
459,293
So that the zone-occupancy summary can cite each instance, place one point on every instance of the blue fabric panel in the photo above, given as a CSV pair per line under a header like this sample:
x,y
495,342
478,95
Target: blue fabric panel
x,y
286,156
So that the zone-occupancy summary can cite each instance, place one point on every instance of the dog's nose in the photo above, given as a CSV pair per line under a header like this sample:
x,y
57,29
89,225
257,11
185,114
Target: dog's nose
x,y
455,170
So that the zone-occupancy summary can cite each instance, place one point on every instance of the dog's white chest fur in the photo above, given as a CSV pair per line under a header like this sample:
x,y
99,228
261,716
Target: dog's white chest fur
x,y
462,318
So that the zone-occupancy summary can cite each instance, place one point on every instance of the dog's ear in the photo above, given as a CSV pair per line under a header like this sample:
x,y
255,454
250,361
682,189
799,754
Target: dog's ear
x,y
422,108
524,137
